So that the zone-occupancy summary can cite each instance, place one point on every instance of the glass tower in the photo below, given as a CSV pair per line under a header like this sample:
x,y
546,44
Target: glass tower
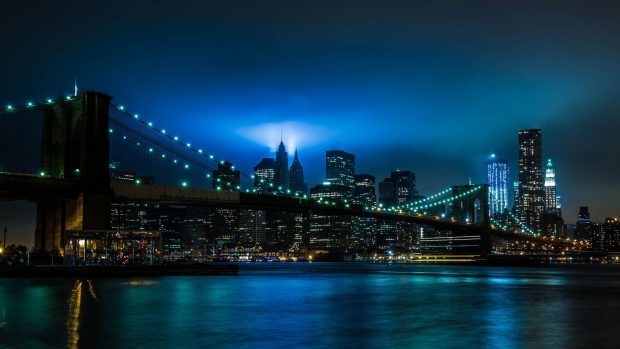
x,y
497,179
531,190
340,168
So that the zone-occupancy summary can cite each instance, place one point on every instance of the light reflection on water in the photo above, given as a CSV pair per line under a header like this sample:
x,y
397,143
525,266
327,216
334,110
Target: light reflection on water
x,y
320,305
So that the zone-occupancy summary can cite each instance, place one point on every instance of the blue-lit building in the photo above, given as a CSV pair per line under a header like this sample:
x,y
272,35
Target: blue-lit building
x,y
497,179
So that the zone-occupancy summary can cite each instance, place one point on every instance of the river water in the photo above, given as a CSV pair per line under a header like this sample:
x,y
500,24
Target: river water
x,y
321,305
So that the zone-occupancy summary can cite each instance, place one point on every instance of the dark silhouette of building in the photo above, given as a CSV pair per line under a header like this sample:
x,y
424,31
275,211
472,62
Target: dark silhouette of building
x,y
583,228
264,175
340,168
281,169
297,185
226,177
386,192
404,186
531,190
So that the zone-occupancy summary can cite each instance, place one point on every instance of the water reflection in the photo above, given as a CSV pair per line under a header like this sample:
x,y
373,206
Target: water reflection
x,y
319,306
73,315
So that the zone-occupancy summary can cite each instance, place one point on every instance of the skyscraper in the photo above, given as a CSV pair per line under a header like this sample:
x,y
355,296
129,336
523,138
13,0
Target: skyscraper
x,y
404,186
365,193
583,228
531,191
551,204
296,178
497,179
226,177
264,174
281,169
340,168
386,192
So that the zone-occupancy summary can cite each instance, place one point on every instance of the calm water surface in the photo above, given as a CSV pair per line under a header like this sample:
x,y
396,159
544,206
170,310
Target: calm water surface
x,y
321,306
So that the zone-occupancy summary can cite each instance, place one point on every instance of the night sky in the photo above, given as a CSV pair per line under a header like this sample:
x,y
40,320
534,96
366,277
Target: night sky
x,y
431,87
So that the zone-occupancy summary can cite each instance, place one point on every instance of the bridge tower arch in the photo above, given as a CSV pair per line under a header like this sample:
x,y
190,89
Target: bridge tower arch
x,y
75,145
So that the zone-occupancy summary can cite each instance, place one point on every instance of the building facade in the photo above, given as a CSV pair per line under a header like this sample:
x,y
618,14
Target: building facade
x,y
531,184
497,179
340,168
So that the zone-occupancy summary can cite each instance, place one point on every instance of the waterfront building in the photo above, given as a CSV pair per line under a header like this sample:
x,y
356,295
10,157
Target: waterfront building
x,y
330,231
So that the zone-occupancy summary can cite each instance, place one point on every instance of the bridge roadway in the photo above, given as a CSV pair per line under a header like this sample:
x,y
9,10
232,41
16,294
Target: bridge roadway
x,y
14,186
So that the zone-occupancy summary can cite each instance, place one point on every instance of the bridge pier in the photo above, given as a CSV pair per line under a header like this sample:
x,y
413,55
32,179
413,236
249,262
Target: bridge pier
x,y
75,146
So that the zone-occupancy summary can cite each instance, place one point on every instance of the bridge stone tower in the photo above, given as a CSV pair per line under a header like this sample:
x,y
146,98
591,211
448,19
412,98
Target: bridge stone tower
x,y
75,146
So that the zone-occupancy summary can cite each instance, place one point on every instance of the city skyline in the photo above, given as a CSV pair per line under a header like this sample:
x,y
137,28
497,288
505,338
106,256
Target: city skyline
x,y
403,101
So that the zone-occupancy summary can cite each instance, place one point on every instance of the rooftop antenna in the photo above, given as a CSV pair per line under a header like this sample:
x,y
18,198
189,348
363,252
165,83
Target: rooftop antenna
x,y
75,88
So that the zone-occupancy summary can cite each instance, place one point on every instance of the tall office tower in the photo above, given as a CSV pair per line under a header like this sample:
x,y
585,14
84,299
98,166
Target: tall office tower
x,y
281,169
340,168
330,231
386,192
515,198
531,190
363,228
497,179
226,177
296,178
611,235
551,203
264,175
365,193
404,186
583,228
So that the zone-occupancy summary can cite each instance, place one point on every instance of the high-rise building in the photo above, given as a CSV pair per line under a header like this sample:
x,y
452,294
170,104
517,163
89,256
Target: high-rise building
x,y
364,228
583,228
365,193
281,169
340,168
404,186
531,190
497,179
226,177
515,197
330,231
297,185
264,175
611,235
386,192
551,203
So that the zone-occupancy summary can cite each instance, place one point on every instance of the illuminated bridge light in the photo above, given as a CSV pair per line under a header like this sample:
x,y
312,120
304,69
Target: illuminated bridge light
x,y
111,130
121,107
150,150
200,151
29,104
69,98
163,156
150,124
184,184
174,161
208,175
176,138
163,131
211,157
49,101
124,137
186,166
9,107
189,145
135,116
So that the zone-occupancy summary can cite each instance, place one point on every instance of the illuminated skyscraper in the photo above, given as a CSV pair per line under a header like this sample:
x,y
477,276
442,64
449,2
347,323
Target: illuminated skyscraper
x,y
497,179
531,190
551,203
583,229
340,168
296,178
264,174
365,190
281,169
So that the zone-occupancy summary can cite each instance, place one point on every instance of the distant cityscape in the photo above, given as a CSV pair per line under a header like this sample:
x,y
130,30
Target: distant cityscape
x,y
205,231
